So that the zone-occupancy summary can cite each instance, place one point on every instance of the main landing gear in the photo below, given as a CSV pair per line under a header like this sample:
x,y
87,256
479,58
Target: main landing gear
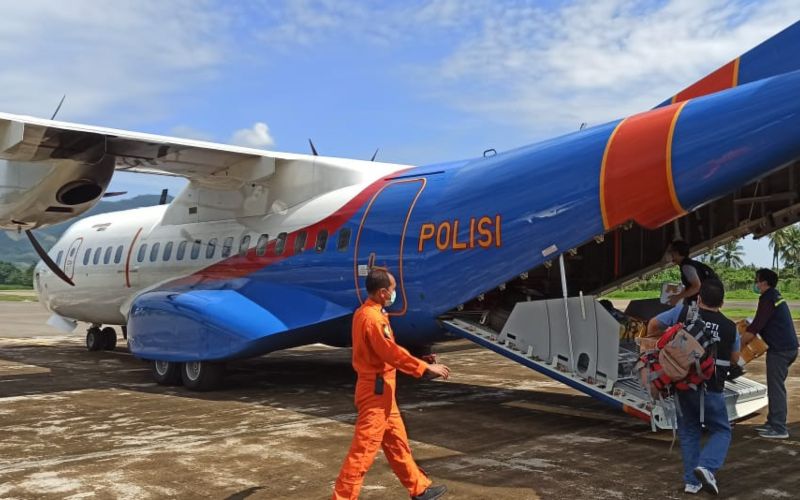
x,y
98,339
194,375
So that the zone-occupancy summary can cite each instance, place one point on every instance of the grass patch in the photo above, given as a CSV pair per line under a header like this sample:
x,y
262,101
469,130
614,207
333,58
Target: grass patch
x,y
15,287
729,295
7,297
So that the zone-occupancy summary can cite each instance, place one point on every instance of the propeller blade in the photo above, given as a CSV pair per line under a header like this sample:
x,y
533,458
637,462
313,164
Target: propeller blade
x,y
163,199
313,149
58,108
46,259
114,193
374,154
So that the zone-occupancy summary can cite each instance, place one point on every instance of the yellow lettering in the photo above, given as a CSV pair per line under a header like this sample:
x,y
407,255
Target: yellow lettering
x,y
472,232
444,228
497,240
484,232
456,244
425,233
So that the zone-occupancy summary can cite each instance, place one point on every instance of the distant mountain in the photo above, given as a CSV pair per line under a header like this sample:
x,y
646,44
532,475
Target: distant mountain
x,y
21,252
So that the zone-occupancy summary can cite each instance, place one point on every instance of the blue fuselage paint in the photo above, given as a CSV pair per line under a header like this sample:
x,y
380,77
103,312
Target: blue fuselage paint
x,y
545,198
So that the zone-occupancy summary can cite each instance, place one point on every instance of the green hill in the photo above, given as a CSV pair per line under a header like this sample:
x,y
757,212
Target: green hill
x,y
18,250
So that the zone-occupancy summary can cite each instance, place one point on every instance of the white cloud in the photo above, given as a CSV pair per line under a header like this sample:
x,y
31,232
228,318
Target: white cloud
x,y
257,136
129,60
593,61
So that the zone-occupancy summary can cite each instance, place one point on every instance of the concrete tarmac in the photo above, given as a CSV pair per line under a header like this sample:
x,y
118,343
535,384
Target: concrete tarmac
x,y
75,424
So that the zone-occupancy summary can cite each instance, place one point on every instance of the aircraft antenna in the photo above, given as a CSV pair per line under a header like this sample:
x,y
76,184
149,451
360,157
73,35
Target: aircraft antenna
x,y
58,108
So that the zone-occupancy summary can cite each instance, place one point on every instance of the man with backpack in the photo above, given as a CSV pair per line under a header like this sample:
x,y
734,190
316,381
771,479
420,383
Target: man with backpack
x,y
693,273
703,402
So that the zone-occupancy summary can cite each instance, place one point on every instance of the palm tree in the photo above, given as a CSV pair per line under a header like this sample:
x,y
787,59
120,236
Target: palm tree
x,y
777,243
729,255
790,248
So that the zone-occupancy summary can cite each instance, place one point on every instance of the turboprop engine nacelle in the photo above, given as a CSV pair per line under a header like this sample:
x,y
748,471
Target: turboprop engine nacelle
x,y
41,193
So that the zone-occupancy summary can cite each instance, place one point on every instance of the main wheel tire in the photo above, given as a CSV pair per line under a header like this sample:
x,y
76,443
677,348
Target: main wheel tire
x,y
166,372
109,338
201,375
94,339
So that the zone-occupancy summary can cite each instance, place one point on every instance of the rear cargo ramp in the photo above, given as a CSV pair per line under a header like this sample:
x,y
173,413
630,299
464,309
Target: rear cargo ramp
x,y
577,342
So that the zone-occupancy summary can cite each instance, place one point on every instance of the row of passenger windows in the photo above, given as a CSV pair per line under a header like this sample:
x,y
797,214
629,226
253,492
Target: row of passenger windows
x,y
154,251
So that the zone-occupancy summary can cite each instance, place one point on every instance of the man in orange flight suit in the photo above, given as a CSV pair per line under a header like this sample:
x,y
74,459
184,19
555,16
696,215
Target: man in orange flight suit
x,y
376,359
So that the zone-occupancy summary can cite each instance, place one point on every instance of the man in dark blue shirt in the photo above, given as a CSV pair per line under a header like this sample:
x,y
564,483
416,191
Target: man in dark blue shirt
x,y
773,321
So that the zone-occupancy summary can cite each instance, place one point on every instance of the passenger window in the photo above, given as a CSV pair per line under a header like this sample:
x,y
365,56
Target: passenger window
x,y
211,248
181,250
261,245
142,252
280,244
86,256
118,255
107,255
96,258
344,240
244,245
196,249
322,240
58,259
300,242
167,251
226,246
154,252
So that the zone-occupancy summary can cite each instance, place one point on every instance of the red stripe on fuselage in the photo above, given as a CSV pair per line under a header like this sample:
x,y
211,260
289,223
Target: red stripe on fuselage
x,y
238,265
723,78
636,175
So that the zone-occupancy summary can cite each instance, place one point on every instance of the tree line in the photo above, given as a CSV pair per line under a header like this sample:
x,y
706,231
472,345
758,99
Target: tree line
x,y
11,274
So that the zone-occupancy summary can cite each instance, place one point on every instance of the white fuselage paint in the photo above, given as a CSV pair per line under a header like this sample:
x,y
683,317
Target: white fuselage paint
x,y
105,287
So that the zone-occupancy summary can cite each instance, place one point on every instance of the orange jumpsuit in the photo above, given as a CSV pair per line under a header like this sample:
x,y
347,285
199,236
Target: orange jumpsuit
x,y
379,424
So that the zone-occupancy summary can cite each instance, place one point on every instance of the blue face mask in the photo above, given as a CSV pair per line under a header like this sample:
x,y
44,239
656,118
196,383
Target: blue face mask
x,y
756,289
391,299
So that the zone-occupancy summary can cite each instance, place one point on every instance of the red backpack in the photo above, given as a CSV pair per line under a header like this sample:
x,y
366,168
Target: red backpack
x,y
684,358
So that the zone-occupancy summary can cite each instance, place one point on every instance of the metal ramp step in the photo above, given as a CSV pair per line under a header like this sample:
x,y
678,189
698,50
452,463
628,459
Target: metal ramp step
x,y
580,348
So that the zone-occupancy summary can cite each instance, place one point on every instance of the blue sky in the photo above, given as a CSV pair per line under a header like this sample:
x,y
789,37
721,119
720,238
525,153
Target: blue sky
x,y
423,80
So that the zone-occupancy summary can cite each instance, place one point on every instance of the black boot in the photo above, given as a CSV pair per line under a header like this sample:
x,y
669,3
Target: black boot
x,y
432,493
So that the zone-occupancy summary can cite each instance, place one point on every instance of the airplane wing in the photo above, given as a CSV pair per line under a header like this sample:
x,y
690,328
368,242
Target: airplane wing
x,y
29,139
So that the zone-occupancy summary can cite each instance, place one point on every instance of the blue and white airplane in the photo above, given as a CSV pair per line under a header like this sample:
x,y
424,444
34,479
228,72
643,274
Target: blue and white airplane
x,y
265,251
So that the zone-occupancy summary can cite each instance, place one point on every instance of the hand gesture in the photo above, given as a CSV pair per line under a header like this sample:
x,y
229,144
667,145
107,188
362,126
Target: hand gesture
x,y
437,370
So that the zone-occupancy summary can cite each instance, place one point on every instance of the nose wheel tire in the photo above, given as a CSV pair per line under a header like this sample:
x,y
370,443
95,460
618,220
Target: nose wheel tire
x,y
166,372
201,375
109,338
94,339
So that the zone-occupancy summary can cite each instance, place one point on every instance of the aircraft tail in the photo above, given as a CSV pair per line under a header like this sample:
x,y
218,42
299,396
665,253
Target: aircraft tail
x,y
775,56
